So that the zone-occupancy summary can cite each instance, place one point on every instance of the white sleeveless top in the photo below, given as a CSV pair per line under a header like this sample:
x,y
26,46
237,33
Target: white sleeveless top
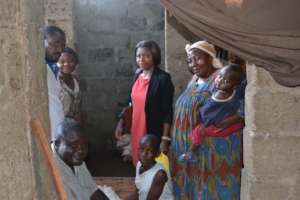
x,y
144,181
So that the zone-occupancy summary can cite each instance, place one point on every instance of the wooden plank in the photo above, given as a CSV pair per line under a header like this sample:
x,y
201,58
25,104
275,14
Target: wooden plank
x,y
121,185
40,134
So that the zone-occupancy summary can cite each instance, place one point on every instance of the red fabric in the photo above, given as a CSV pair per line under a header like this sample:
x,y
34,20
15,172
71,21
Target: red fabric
x,y
138,126
199,132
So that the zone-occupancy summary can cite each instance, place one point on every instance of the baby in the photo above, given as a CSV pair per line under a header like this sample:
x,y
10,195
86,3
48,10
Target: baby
x,y
151,180
223,104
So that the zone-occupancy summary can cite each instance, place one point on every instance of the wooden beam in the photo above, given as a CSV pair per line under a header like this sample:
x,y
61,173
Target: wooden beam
x,y
40,134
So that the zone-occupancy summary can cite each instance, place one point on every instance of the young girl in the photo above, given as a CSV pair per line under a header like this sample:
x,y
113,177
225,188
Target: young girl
x,y
69,93
151,180
223,104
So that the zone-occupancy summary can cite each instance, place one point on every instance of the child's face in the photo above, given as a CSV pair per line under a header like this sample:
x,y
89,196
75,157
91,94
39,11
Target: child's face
x,y
147,154
66,63
144,58
226,80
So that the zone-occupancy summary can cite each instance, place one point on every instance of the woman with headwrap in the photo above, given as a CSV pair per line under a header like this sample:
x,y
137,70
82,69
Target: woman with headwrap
x,y
216,173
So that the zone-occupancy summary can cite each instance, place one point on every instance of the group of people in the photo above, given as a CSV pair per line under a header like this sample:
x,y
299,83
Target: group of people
x,y
63,85
68,143
202,136
201,133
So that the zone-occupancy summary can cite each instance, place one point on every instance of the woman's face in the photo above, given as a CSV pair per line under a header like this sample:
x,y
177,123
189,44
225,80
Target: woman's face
x,y
66,63
199,63
144,58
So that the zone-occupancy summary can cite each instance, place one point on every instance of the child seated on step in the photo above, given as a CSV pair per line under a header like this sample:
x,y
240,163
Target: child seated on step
x,y
224,103
151,180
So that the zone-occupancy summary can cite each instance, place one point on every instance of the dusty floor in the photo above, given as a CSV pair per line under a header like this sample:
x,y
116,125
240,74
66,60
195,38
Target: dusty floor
x,y
109,164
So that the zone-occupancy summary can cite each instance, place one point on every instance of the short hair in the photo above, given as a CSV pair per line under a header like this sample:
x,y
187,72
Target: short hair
x,y
67,127
51,31
72,52
237,71
154,49
153,140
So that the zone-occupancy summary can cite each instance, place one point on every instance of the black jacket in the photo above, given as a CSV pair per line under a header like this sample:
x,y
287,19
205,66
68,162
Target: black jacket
x,y
159,101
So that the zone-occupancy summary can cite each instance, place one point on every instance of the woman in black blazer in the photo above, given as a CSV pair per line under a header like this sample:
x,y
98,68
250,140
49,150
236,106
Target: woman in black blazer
x,y
151,98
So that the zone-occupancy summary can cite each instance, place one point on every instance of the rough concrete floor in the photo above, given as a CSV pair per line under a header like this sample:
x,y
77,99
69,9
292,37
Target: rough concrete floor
x,y
109,164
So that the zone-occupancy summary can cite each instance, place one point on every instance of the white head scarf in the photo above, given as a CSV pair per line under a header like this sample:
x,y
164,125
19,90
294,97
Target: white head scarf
x,y
207,48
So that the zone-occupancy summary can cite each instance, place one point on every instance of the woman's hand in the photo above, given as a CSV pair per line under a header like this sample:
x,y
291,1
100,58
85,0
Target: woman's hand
x,y
119,129
165,142
164,146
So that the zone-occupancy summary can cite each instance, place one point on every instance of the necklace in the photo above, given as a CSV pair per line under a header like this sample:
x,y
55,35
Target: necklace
x,y
195,85
223,100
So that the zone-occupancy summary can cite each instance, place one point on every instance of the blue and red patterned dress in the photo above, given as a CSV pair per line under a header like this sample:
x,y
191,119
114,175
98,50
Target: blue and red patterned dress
x,y
217,174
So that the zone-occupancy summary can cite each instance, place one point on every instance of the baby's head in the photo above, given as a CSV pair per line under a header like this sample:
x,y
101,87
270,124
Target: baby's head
x,y
148,150
229,78
67,61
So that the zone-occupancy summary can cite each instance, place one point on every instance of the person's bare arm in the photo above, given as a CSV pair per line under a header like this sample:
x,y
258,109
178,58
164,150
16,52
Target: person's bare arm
x,y
164,145
119,129
157,185
133,196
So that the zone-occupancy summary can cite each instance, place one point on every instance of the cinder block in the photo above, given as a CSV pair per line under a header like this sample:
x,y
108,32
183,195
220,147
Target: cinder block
x,y
268,191
152,11
125,70
59,10
270,108
132,24
112,8
272,157
100,55
104,40
104,25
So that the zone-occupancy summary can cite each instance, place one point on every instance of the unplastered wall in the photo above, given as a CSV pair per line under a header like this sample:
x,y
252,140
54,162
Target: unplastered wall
x,y
176,58
271,139
60,13
108,31
23,96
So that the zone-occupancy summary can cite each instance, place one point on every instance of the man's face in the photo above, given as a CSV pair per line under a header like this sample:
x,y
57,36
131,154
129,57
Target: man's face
x,y
73,149
54,45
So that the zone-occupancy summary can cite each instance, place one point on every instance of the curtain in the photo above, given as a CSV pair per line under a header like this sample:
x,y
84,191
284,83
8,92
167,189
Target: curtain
x,y
263,32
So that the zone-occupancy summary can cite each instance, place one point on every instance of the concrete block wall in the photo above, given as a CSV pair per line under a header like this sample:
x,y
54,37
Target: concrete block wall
x,y
60,13
23,96
271,139
176,59
107,33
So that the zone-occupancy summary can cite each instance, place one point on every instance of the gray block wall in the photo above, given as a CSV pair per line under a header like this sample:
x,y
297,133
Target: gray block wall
x,y
24,172
107,32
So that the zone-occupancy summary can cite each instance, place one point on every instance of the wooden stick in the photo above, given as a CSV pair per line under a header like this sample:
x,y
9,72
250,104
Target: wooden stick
x,y
40,133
